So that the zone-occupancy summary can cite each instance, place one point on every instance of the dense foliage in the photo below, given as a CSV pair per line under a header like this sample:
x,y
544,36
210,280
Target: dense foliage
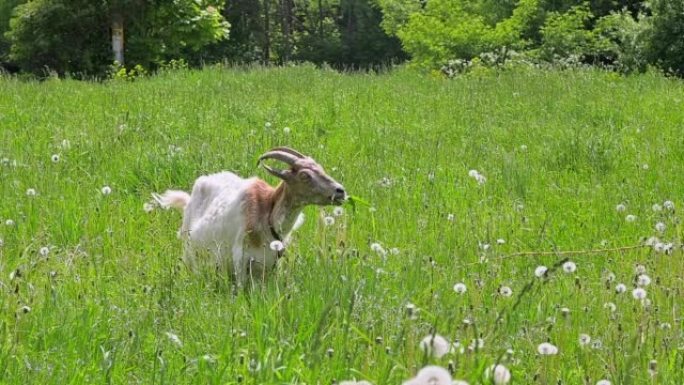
x,y
73,36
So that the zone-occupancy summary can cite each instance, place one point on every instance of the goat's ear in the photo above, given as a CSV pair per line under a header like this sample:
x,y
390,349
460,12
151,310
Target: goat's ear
x,y
282,174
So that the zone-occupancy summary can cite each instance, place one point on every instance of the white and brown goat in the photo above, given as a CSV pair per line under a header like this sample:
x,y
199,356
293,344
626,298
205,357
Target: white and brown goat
x,y
237,220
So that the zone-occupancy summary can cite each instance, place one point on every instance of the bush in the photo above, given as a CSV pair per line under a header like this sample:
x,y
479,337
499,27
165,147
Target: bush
x,y
666,39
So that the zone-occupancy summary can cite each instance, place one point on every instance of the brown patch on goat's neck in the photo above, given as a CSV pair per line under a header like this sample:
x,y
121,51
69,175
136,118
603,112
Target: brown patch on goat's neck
x,y
266,206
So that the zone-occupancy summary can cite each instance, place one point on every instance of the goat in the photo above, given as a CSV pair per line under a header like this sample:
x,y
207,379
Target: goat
x,y
243,218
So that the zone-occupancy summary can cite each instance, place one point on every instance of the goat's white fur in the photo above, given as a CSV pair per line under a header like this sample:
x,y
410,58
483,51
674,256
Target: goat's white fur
x,y
214,220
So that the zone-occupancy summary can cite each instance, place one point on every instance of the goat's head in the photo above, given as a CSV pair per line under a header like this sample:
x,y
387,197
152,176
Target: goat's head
x,y
305,178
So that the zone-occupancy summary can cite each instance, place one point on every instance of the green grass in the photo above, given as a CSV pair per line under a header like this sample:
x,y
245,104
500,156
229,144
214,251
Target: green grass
x,y
112,286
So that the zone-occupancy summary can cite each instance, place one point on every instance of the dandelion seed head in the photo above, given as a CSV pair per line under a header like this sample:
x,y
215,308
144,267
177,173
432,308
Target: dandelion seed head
x,y
669,205
500,241
630,218
523,147
481,179
286,130
460,288
473,173
547,349
603,382
54,158
433,375
644,166
277,246
660,227
620,288
434,345
596,344
9,223
44,251
450,217
656,207
621,208
643,280
505,291
499,374
639,293
584,339
25,309
329,221
31,192
540,271
174,339
267,125
611,307
640,269
569,267
106,190
338,211
148,207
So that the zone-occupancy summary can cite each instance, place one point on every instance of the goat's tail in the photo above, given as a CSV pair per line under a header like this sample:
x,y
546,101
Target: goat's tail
x,y
172,198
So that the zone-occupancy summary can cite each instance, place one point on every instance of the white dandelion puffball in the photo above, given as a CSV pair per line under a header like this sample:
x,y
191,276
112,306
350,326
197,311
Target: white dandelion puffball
x,y
660,227
9,223
433,375
669,205
106,190
603,382
505,291
459,382
656,207
620,288
610,306
286,130
277,246
329,221
644,166
569,267
54,158
473,173
174,339
148,207
621,208
584,339
378,249
481,179
500,241
639,293
435,345
640,269
460,288
267,125
450,217
523,147
499,374
31,192
44,251
547,349
630,218
338,211
643,280
540,271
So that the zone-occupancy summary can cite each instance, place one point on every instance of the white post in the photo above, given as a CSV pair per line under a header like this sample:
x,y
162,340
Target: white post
x,y
118,38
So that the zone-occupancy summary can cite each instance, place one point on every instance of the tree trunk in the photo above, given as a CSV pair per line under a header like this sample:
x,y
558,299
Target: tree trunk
x,y
118,37
267,32
286,6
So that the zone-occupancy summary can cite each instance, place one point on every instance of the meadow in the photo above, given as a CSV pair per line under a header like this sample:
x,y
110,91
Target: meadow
x,y
460,176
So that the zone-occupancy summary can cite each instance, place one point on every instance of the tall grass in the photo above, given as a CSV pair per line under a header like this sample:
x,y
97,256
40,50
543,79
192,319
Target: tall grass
x,y
111,302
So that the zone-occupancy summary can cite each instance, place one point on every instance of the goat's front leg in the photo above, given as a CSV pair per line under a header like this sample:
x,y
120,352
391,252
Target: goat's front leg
x,y
239,262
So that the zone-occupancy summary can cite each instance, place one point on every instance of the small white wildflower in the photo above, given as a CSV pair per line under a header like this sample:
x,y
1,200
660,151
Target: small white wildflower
x,y
665,326
611,307
44,251
603,382
630,218
569,267
660,227
659,247
523,147
620,288
540,271
433,375
547,349
267,125
621,208
481,179
174,339
610,277
640,269
519,207
505,291
25,309
329,221
584,339
286,130
9,223
643,280
459,382
148,207
500,241
656,207
338,211
596,344
31,192
460,288
54,158
277,246
473,173
668,247
106,190
435,345
644,166
499,374
450,217
669,205
639,293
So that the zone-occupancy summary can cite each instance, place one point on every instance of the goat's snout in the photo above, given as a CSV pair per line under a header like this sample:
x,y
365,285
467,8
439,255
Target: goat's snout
x,y
340,195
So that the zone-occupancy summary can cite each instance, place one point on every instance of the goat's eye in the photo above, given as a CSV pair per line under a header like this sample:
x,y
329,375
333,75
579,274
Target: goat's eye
x,y
303,176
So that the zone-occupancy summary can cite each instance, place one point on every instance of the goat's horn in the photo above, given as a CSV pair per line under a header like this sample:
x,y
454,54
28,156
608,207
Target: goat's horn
x,y
280,155
289,151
